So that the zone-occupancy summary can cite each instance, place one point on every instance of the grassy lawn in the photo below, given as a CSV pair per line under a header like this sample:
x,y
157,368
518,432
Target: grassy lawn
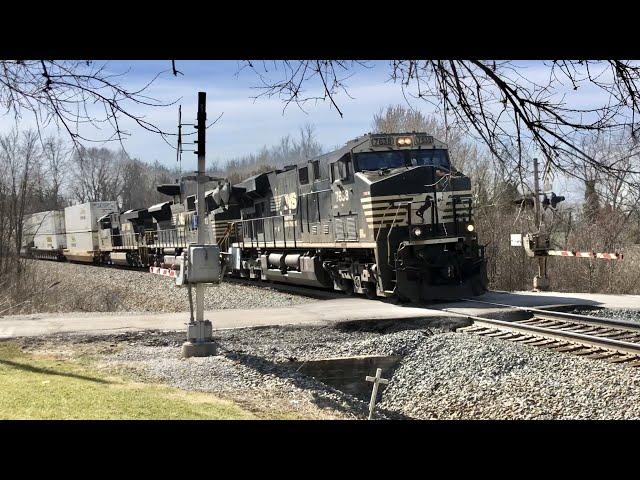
x,y
38,387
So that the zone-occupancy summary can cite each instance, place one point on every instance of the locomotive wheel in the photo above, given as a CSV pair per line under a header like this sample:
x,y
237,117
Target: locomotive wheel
x,y
370,291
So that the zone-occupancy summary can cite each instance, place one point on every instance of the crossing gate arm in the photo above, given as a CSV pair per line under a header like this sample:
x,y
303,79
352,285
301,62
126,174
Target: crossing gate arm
x,y
166,272
574,253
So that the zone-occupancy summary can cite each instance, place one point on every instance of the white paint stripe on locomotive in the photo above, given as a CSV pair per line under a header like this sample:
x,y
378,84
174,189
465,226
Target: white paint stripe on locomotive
x,y
384,207
386,198
462,194
390,214
386,224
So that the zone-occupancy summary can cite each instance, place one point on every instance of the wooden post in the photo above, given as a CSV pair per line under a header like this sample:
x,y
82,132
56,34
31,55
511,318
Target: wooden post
x,y
377,380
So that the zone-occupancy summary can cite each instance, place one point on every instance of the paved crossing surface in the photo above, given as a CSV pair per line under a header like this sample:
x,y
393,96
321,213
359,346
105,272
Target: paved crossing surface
x,y
315,313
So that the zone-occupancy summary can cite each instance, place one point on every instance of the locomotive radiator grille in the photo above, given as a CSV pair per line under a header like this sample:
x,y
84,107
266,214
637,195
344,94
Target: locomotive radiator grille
x,y
384,211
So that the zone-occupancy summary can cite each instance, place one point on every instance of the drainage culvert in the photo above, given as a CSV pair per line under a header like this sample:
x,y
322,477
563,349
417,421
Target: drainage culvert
x,y
348,373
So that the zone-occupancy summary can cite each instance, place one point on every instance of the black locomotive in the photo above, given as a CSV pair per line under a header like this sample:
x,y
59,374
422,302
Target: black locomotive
x,y
385,215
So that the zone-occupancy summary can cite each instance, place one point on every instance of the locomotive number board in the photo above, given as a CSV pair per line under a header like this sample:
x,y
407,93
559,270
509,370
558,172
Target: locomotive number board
x,y
424,139
382,141
388,141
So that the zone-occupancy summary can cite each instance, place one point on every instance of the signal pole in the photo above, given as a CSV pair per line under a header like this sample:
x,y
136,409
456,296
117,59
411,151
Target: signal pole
x,y
540,281
202,139
199,340
536,194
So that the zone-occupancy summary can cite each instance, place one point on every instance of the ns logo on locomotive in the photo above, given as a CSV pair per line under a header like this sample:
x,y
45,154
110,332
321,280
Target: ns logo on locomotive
x,y
385,215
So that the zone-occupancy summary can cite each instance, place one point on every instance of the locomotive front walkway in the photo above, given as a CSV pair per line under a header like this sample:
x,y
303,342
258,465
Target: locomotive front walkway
x,y
320,312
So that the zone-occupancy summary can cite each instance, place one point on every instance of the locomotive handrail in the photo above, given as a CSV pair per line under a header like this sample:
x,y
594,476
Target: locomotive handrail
x,y
254,235
315,191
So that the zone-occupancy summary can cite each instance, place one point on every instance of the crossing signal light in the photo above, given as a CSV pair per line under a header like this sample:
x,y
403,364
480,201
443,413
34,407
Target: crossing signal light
x,y
552,202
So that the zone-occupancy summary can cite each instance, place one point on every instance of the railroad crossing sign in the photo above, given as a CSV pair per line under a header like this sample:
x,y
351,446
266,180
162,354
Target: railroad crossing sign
x,y
377,380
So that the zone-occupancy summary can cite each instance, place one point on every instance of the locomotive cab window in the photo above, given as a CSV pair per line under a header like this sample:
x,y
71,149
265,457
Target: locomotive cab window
x,y
367,161
316,169
191,202
303,175
342,169
432,157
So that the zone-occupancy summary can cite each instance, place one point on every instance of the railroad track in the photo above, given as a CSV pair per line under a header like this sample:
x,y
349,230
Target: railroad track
x,y
614,341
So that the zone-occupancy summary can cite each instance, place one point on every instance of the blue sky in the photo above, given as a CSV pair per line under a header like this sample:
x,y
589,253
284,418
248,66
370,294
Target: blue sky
x,y
248,124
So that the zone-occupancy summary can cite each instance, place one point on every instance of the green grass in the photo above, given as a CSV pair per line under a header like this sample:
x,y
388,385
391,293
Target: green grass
x,y
39,387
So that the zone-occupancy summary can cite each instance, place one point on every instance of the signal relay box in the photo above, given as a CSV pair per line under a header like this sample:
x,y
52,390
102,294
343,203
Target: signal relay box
x,y
536,244
200,264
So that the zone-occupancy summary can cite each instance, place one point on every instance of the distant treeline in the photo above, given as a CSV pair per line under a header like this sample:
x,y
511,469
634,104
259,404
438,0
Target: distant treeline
x,y
46,174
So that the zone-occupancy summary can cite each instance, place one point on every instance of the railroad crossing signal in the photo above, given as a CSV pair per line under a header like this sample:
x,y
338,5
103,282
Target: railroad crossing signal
x,y
538,244
552,202
377,380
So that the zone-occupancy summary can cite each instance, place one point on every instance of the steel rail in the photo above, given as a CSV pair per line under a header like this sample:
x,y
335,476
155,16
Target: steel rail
x,y
628,348
575,316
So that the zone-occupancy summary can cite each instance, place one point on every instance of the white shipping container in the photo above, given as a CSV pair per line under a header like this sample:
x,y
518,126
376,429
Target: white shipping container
x,y
82,241
45,229
50,242
44,223
84,217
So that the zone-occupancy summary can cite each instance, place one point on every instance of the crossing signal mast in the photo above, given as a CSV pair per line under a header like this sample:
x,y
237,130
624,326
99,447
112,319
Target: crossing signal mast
x,y
538,244
200,263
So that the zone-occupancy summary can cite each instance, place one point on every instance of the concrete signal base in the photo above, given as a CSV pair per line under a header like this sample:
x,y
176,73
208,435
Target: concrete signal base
x,y
540,284
200,349
199,342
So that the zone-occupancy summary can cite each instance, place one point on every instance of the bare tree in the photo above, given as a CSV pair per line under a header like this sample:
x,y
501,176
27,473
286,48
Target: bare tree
x,y
63,92
19,155
97,174
494,101
56,155
287,151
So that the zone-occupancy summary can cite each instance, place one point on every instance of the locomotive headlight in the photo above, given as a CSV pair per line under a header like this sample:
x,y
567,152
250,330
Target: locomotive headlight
x,y
470,227
404,141
417,232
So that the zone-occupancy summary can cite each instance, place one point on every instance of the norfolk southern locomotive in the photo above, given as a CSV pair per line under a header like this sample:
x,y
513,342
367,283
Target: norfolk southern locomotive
x,y
385,215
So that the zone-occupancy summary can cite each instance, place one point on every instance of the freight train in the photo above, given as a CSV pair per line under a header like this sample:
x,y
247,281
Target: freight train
x,y
386,215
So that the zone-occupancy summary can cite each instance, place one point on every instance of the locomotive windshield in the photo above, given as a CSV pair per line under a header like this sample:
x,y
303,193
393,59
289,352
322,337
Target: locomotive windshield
x,y
401,158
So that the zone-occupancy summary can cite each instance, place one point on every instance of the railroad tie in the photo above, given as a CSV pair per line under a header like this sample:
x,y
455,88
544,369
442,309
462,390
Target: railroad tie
x,y
569,348
625,359
580,335
601,355
588,351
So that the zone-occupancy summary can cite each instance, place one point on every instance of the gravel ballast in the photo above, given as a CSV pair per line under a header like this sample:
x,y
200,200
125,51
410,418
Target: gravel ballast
x,y
88,288
614,313
256,364
461,376
443,375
